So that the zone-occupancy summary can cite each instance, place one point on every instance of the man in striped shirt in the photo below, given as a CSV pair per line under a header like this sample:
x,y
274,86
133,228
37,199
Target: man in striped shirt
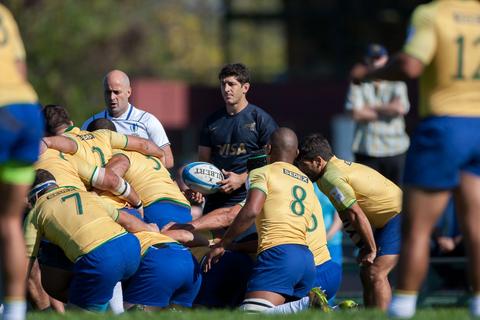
x,y
378,107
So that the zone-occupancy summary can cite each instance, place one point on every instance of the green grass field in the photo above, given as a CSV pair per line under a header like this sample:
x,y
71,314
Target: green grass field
x,y
435,314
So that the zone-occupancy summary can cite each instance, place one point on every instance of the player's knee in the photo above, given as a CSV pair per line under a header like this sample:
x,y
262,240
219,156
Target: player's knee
x,y
375,274
256,305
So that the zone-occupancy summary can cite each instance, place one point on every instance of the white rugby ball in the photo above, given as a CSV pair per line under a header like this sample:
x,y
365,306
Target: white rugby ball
x,y
202,177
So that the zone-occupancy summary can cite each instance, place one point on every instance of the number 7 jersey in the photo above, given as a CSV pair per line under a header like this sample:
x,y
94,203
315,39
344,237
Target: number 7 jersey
x,y
289,205
445,37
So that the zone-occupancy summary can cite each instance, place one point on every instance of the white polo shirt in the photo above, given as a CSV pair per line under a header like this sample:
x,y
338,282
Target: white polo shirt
x,y
135,122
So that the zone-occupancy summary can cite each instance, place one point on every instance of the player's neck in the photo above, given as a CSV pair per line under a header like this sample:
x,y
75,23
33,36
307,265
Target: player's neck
x,y
233,109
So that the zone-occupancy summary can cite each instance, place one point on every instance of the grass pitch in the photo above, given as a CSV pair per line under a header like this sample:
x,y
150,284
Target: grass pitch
x,y
424,314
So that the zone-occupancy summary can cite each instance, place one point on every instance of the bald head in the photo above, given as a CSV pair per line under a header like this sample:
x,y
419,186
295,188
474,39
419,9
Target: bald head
x,y
284,145
117,91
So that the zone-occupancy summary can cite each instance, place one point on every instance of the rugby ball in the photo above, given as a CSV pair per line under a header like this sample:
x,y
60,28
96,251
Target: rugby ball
x,y
202,177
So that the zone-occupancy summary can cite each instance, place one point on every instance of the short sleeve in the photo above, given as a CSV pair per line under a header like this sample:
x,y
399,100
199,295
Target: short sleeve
x,y
31,235
118,140
265,127
84,169
354,99
257,179
155,131
339,192
421,40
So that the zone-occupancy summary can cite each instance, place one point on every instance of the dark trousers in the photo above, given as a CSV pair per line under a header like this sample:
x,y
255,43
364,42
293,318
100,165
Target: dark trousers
x,y
390,167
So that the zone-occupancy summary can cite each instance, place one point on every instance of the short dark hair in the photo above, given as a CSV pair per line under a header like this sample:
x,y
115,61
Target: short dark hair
x,y
55,116
315,145
101,123
237,70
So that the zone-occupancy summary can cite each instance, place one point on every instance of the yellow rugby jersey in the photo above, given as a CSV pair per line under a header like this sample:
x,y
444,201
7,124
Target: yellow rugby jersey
x,y
67,170
96,147
152,181
345,183
148,239
289,205
13,88
317,236
445,36
75,220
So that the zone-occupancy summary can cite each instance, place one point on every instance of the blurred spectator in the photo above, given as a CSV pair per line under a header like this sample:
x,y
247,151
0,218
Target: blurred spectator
x,y
378,107
333,224
127,118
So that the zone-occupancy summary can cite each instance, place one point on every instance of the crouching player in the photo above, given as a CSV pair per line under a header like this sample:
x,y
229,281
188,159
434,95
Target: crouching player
x,y
168,275
368,204
91,235
281,201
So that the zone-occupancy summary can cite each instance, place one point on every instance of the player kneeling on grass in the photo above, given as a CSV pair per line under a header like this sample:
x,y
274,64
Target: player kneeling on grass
x,y
281,201
168,275
92,235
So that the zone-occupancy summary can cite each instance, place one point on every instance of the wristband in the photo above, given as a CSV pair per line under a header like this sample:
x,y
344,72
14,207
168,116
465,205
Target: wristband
x,y
138,206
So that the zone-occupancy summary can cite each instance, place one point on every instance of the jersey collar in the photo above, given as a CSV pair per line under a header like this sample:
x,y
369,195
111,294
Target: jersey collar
x,y
124,116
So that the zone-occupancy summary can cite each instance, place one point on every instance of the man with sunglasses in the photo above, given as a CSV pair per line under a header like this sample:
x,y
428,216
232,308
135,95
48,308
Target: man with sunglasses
x,y
378,107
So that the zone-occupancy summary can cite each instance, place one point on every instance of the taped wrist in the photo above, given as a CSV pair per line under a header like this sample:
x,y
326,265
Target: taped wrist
x,y
123,189
97,177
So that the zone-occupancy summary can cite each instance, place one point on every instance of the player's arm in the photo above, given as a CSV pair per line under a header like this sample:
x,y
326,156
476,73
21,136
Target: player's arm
x,y
217,219
61,143
145,146
169,162
133,224
357,218
245,218
157,134
335,227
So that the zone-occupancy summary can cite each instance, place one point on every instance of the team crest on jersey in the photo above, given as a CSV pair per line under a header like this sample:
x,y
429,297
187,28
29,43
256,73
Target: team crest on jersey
x,y
336,194
134,127
251,126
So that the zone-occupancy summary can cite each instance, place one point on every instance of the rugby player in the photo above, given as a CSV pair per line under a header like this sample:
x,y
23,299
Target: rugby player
x,y
444,156
281,201
368,204
92,234
21,127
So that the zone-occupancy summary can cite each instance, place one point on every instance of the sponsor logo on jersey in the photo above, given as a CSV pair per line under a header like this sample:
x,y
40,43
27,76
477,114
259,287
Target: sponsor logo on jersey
x,y
234,149
87,136
296,175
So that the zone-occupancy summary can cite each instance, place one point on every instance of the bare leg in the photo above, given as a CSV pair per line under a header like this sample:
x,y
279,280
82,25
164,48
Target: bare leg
x,y
12,245
376,275
422,211
468,201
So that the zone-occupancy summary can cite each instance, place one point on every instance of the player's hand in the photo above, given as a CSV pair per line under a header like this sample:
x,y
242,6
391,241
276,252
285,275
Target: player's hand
x,y
195,198
216,252
446,244
153,227
358,73
366,257
232,181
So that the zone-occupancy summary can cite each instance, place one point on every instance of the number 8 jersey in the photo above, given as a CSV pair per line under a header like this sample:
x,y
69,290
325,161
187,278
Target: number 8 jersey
x,y
445,37
289,205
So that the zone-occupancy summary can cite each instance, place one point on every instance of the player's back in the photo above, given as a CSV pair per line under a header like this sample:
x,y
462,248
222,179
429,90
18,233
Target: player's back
x,y
75,220
96,147
152,181
63,167
345,182
13,87
289,204
317,236
445,36
148,238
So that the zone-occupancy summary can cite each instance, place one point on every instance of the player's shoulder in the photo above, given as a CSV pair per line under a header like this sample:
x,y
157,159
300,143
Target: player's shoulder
x,y
256,111
215,116
4,12
427,12
141,115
